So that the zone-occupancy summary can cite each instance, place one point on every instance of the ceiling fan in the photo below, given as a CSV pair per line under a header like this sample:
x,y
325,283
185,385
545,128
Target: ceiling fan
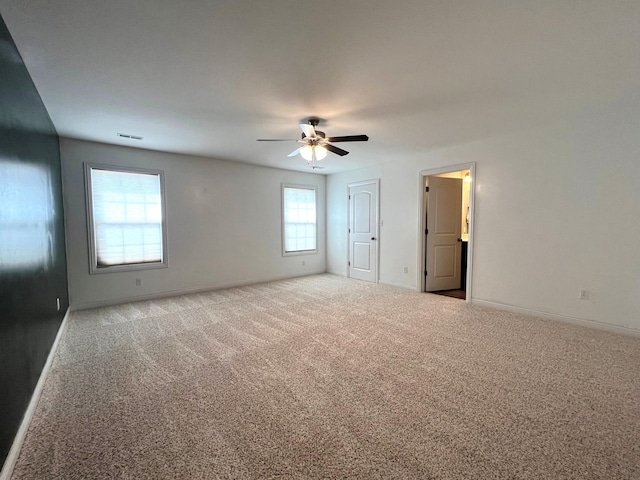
x,y
316,144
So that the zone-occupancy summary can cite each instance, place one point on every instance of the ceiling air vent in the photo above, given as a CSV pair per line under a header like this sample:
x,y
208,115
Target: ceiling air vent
x,y
132,137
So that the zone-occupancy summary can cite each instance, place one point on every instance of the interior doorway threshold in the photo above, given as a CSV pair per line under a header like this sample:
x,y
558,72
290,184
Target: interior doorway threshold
x,y
458,293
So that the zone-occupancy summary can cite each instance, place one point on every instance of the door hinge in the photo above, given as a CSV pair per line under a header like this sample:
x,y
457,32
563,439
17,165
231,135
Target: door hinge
x,y
426,231
425,273
349,197
349,263
349,230
426,189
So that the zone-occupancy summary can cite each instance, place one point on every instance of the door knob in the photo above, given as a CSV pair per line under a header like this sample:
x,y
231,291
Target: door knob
x,y
373,238
459,239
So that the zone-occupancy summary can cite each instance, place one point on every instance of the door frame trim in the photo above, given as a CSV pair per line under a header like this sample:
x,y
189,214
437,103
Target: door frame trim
x,y
422,220
375,181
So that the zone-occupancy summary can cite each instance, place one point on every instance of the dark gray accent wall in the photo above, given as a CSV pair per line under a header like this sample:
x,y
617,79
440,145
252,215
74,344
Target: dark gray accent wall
x,y
33,272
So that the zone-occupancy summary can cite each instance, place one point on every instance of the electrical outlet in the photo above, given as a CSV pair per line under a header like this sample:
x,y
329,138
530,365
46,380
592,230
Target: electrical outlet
x,y
138,282
584,295
406,269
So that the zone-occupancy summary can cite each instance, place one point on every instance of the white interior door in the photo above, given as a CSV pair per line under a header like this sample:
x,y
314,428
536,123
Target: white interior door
x,y
363,231
444,243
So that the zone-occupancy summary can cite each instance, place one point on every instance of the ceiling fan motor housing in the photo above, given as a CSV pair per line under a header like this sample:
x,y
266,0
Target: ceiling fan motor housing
x,y
318,134
314,122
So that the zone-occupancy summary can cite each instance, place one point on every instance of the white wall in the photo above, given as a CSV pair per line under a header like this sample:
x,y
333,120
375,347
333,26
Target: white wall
x,y
556,211
223,225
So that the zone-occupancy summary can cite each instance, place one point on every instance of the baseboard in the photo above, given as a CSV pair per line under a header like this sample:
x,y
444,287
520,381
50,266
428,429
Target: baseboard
x,y
187,291
399,285
12,457
559,317
341,273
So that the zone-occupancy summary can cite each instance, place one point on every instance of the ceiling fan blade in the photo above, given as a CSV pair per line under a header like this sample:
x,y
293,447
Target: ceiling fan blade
x,y
295,152
308,130
275,140
336,150
349,138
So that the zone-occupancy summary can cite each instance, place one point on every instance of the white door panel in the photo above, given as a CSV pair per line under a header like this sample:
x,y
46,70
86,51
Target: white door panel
x,y
444,247
444,261
361,212
362,256
363,231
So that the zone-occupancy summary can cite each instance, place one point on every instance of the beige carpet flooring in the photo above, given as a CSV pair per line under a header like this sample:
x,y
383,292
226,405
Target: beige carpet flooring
x,y
324,377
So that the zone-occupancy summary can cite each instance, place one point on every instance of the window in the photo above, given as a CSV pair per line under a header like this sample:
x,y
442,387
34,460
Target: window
x,y
27,211
299,219
126,218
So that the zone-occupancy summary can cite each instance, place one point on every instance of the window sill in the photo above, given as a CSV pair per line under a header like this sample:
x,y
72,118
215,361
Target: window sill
x,y
127,268
301,252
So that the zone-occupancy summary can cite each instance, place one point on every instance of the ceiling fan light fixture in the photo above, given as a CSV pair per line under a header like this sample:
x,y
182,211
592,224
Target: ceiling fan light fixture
x,y
307,152
313,152
320,152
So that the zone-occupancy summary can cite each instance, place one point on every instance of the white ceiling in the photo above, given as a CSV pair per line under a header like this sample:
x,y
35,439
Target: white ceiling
x,y
209,77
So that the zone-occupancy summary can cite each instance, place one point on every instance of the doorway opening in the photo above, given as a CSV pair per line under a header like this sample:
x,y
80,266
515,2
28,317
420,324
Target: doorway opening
x,y
446,230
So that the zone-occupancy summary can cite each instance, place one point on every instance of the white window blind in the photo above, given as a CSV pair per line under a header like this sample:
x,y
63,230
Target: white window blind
x,y
299,227
127,217
26,216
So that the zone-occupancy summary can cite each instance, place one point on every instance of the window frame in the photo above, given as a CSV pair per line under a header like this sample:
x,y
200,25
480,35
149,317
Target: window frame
x,y
286,253
91,237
